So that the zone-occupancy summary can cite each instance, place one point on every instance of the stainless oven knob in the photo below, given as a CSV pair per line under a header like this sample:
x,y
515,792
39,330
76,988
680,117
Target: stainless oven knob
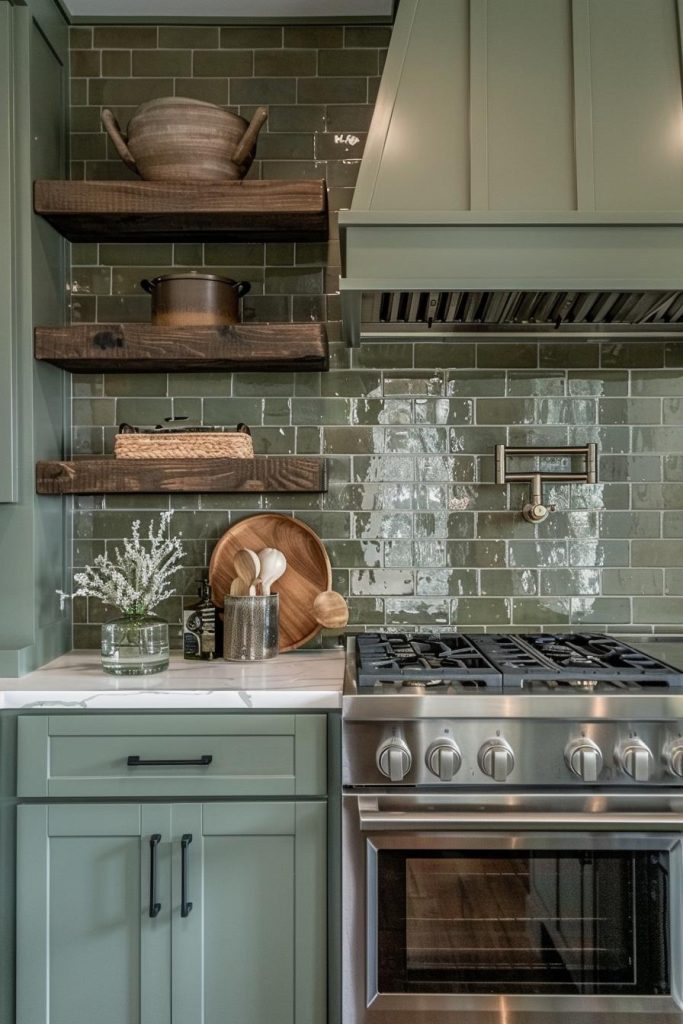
x,y
584,758
394,759
444,759
496,759
673,758
635,758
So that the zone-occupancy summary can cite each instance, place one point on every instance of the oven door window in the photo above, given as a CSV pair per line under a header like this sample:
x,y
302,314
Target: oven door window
x,y
524,922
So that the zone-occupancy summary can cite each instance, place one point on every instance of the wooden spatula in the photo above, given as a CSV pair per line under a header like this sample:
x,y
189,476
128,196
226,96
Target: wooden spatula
x,y
331,610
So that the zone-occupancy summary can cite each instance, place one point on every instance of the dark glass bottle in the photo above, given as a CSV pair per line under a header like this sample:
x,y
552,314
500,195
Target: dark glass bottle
x,y
199,627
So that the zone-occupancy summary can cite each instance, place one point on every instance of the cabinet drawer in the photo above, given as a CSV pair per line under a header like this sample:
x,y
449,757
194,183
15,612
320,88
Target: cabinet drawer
x,y
171,755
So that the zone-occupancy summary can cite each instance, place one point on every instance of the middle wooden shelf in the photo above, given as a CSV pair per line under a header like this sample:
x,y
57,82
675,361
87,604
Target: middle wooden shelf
x,y
142,347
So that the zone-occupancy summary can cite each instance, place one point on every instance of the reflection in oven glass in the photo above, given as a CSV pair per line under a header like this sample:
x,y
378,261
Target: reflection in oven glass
x,y
531,922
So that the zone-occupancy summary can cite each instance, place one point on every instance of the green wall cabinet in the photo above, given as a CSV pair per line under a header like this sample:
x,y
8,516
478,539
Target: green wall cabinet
x,y
33,396
251,950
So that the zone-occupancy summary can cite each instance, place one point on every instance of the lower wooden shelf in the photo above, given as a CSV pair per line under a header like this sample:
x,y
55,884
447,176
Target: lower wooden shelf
x,y
141,348
109,475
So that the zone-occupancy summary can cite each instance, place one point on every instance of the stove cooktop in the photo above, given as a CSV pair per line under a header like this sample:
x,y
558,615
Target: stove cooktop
x,y
538,662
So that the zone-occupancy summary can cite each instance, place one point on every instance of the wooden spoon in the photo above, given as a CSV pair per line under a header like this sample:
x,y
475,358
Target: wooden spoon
x,y
247,568
330,610
273,566
238,588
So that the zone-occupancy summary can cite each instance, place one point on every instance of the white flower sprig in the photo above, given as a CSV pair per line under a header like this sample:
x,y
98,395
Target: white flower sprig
x,y
138,579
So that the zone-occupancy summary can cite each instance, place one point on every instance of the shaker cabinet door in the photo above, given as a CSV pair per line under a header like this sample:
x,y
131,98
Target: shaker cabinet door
x,y
93,935
252,948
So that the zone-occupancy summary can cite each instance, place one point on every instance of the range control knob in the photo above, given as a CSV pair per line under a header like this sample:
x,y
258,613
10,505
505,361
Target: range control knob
x,y
444,759
394,759
496,758
584,758
673,758
635,758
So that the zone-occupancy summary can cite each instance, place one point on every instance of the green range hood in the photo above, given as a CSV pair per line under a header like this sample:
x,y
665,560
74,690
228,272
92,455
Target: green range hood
x,y
523,173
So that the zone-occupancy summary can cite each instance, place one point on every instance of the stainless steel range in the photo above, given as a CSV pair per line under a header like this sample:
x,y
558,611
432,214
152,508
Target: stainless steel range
x,y
512,825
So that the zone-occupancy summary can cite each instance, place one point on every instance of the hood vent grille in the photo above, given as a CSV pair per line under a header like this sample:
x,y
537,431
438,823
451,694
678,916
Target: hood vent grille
x,y
448,310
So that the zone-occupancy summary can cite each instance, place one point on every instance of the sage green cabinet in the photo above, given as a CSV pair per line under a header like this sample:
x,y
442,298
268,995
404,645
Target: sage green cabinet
x,y
252,949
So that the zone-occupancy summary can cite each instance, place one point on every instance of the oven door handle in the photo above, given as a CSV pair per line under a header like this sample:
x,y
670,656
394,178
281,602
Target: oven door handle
x,y
372,819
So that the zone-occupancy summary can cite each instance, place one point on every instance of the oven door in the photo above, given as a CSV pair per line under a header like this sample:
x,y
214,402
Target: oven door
x,y
458,912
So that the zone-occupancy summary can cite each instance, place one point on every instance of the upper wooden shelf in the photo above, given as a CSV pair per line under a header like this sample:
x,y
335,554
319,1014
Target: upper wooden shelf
x,y
109,475
149,211
138,348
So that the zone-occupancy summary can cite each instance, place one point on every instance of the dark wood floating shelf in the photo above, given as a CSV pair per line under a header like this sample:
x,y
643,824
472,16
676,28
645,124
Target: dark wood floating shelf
x,y
147,211
138,348
109,475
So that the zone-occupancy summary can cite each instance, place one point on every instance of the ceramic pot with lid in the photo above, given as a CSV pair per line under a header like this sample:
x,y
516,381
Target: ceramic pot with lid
x,y
179,139
195,299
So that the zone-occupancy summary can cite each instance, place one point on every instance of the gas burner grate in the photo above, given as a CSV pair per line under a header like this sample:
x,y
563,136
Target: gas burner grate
x,y
464,663
423,660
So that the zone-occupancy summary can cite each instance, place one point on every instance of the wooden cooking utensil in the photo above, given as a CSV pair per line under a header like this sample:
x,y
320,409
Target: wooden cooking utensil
x,y
308,570
238,588
331,610
248,568
273,565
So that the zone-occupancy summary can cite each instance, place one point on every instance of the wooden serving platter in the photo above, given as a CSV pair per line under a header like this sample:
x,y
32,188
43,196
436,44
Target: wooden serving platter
x,y
308,570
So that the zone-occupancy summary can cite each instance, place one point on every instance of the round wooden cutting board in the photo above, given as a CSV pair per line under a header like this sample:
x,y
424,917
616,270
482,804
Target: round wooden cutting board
x,y
308,570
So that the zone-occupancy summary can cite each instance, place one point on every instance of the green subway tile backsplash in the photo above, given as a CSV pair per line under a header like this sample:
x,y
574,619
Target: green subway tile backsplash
x,y
417,531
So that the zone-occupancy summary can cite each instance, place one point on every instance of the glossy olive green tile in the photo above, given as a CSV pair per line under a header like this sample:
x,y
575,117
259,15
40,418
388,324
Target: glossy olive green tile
x,y
475,440
446,583
91,281
509,582
381,582
447,355
293,280
188,37
125,91
116,63
274,440
658,609
78,91
250,36
657,382
656,552
124,36
630,524
564,354
331,90
672,522
631,468
347,62
381,526
520,354
506,410
658,439
356,554
123,308
161,63
297,118
413,383
383,354
482,611
220,64
353,440
80,37
598,383
592,552
85,63
567,582
87,440
672,467
349,117
410,611
366,611
536,382
135,254
200,384
309,440
87,385
313,36
143,412
265,90
531,553
468,554
633,582
548,610
635,410
367,35
135,384
593,610
475,384
263,384
640,354
91,412
208,90
285,62
416,439
373,468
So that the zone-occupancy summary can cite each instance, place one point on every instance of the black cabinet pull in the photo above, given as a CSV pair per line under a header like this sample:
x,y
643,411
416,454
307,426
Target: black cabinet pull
x,y
135,761
185,905
154,907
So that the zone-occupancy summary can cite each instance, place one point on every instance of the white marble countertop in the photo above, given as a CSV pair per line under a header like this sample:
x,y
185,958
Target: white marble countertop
x,y
301,680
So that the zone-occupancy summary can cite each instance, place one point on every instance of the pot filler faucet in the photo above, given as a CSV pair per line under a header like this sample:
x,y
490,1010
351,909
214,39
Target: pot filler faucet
x,y
534,510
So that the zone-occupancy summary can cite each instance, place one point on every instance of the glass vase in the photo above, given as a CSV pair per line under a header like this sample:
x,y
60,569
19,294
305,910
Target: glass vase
x,y
135,644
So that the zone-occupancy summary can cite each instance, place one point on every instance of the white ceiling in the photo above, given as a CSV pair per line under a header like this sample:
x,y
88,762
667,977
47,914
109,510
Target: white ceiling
x,y
227,10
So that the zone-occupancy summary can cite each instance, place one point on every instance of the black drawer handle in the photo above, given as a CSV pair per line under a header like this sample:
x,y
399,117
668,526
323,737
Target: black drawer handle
x,y
135,761
185,905
154,907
